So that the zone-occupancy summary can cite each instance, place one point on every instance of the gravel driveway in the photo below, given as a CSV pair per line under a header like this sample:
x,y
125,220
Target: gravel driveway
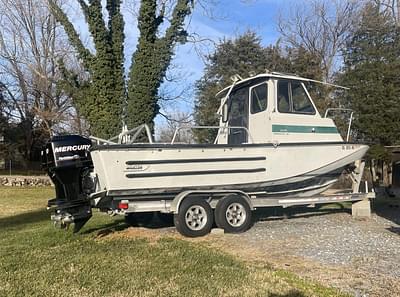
x,y
361,257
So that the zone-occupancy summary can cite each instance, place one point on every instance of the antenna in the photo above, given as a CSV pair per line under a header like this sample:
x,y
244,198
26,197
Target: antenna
x,y
328,84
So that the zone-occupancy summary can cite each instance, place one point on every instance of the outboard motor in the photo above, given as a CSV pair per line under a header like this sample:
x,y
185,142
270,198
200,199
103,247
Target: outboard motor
x,y
67,161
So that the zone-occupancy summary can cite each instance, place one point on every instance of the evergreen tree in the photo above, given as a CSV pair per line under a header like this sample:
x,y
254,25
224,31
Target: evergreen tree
x,y
245,56
101,98
152,58
372,64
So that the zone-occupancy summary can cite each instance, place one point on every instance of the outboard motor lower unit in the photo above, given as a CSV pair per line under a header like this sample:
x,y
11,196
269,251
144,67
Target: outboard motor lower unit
x,y
68,163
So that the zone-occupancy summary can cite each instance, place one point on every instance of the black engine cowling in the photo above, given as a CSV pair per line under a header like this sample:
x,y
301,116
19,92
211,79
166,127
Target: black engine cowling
x,y
67,161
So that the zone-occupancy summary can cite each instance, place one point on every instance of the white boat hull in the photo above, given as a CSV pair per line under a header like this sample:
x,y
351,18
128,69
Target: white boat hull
x,y
164,170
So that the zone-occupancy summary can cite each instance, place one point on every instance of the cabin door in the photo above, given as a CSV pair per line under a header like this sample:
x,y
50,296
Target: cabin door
x,y
295,118
238,116
259,123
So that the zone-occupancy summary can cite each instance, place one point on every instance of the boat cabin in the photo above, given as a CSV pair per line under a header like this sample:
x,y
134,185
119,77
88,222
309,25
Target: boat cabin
x,y
272,108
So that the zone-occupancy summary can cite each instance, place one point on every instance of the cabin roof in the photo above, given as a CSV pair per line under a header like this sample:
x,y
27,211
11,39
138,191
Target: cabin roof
x,y
273,75
264,75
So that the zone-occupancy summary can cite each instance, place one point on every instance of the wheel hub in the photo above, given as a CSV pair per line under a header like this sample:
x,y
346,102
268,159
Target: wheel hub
x,y
235,215
196,217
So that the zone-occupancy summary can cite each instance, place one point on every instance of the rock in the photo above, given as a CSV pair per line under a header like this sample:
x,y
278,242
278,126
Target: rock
x,y
25,181
361,209
217,231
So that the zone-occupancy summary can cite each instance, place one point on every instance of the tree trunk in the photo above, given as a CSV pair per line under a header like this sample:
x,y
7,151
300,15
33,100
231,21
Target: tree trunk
x,y
385,173
373,172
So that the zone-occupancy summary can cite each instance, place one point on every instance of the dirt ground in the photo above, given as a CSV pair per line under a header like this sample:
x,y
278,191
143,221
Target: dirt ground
x,y
360,257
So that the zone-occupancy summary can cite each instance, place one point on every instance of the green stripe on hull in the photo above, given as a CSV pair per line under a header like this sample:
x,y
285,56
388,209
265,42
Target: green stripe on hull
x,y
304,129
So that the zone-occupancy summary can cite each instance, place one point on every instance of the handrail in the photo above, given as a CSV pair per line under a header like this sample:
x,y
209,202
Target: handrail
x,y
210,127
342,109
219,111
120,136
101,140
138,130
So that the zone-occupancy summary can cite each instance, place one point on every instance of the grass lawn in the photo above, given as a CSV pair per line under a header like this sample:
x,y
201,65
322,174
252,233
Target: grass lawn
x,y
38,260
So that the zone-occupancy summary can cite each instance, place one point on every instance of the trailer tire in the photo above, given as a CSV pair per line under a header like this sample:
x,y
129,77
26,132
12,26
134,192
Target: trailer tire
x,y
233,214
194,217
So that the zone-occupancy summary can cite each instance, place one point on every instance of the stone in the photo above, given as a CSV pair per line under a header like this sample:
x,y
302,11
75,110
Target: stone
x,y
217,231
34,181
361,209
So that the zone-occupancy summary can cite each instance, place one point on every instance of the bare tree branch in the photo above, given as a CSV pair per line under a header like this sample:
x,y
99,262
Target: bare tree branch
x,y
322,28
30,45
173,122
390,7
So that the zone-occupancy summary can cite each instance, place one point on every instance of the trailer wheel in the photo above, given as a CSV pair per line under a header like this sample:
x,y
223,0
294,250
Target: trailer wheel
x,y
233,214
194,217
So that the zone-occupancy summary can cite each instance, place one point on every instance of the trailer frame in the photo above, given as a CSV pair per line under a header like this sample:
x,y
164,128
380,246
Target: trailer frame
x,y
254,201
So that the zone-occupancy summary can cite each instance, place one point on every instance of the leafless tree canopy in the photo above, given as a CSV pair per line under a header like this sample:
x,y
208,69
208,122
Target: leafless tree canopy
x,y
173,121
322,27
391,7
30,45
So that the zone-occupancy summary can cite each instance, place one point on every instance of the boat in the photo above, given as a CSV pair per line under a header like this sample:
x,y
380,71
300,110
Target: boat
x,y
271,139
271,144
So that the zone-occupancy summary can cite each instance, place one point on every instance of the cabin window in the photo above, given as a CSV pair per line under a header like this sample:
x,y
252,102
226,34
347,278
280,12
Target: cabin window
x,y
301,102
238,115
238,110
259,98
283,96
292,98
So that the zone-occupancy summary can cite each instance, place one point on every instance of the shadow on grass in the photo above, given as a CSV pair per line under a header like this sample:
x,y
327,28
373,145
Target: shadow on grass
x,y
292,293
146,220
25,218
42,215
105,229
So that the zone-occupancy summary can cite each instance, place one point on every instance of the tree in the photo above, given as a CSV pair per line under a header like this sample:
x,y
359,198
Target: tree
x,y
174,121
3,118
101,97
372,64
321,28
245,56
30,44
152,58
390,7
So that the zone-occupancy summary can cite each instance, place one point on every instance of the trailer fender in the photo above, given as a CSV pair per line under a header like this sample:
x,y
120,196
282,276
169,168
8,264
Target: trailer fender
x,y
175,204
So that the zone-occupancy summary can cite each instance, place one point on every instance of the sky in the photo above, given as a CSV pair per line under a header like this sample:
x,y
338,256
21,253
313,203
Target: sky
x,y
229,19
232,18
